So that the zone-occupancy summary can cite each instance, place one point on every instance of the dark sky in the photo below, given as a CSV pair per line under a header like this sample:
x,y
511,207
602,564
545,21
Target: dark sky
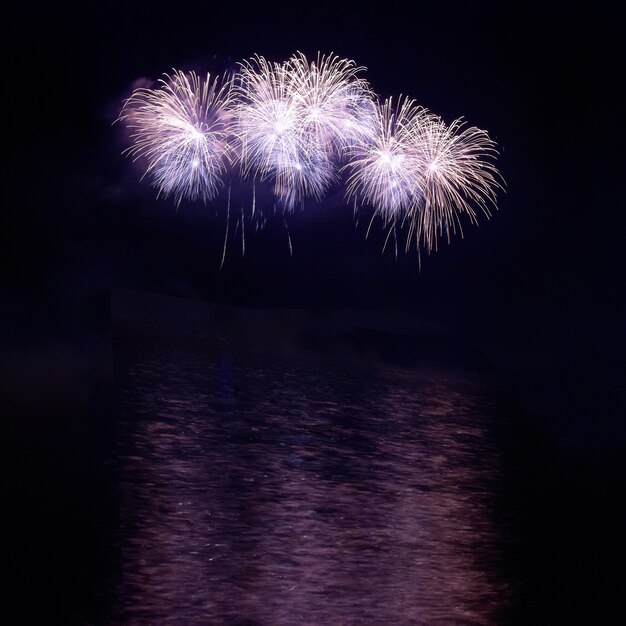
x,y
539,287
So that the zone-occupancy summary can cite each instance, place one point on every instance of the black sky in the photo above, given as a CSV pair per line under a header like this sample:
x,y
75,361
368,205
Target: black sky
x,y
539,287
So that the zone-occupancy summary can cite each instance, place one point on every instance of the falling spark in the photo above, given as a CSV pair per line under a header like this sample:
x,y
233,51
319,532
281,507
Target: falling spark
x,y
226,231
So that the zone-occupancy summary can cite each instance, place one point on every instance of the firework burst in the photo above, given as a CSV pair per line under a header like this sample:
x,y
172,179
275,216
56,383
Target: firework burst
x,y
299,125
417,171
182,130
458,175
386,169
271,134
335,106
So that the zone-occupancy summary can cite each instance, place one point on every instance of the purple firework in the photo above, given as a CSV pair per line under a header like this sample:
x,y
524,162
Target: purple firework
x,y
182,129
299,125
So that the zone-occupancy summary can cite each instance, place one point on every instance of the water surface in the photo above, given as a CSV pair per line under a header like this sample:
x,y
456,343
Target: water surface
x,y
269,490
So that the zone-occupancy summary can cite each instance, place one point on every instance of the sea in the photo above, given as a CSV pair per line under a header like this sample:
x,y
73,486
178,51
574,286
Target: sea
x,y
257,488
232,467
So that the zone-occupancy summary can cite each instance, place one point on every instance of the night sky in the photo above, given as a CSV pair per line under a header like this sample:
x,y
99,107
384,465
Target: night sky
x,y
538,288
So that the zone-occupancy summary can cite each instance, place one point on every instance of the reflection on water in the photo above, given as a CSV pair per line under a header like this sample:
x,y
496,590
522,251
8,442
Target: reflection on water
x,y
288,491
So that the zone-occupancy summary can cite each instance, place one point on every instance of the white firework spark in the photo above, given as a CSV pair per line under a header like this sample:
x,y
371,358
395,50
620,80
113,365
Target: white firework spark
x,y
182,129
385,169
416,170
458,175
335,106
272,137
298,124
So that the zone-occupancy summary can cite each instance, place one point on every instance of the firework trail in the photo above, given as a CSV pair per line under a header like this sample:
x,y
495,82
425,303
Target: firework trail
x,y
300,125
182,129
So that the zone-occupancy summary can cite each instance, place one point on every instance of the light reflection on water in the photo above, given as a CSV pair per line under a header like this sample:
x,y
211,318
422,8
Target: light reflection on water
x,y
294,491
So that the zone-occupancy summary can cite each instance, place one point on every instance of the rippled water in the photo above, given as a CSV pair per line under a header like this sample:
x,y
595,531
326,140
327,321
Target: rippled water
x,y
283,490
